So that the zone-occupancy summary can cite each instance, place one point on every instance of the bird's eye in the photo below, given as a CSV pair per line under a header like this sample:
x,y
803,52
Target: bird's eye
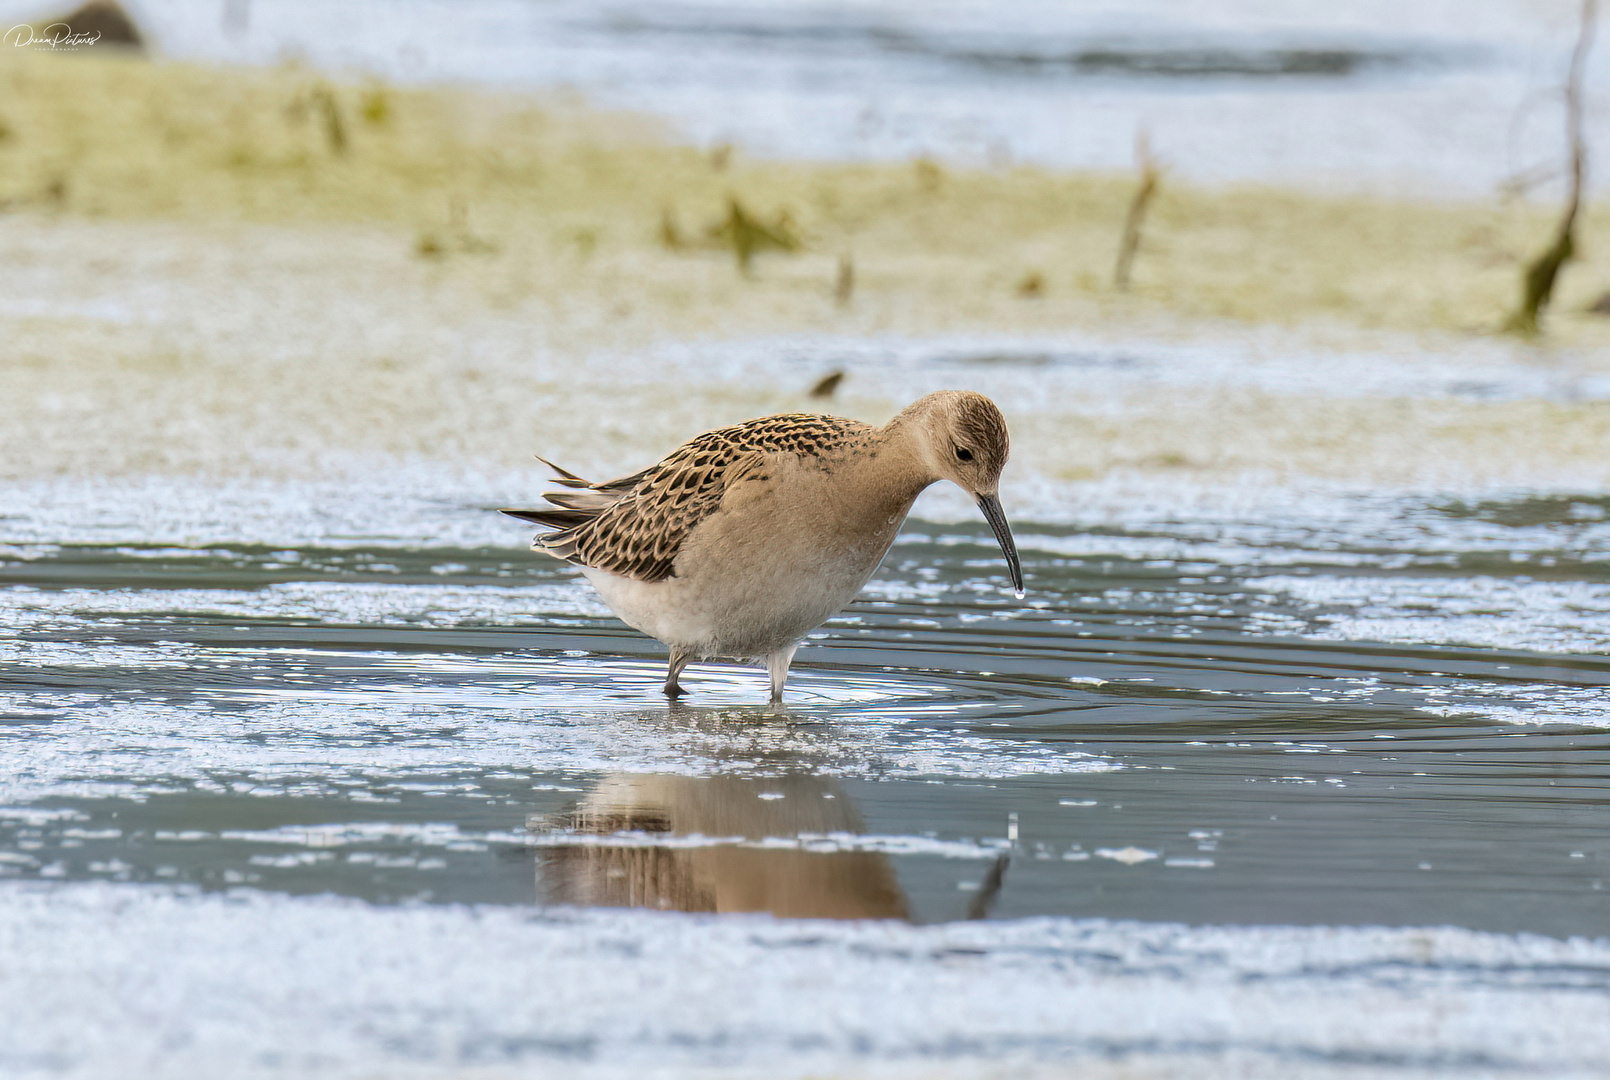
x,y
964,454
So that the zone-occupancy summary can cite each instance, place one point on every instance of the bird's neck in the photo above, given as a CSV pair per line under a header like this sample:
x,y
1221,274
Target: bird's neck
x,y
897,468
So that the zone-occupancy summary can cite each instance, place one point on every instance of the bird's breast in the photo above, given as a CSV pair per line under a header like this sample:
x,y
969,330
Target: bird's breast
x,y
784,552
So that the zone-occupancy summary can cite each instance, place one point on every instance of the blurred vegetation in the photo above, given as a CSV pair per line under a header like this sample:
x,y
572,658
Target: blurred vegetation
x,y
470,180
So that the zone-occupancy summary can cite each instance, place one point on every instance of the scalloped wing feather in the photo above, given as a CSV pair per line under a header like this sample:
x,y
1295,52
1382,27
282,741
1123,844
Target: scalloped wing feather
x,y
636,525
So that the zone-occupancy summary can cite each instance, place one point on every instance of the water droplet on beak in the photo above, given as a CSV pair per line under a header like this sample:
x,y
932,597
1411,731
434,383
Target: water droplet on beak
x,y
1020,593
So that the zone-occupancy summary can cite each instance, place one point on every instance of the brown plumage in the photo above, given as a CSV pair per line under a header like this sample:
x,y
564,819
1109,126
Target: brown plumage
x,y
744,539
634,526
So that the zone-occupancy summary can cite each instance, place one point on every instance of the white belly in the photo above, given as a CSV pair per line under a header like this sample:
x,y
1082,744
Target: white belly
x,y
783,554
730,615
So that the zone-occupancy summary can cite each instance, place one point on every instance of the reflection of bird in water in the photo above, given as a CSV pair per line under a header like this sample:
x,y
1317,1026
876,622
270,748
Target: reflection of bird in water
x,y
747,538
785,881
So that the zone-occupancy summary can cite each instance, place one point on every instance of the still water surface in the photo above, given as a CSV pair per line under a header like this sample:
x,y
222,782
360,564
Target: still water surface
x,y
1398,719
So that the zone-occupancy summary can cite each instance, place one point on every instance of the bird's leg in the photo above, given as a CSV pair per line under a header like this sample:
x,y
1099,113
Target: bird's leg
x,y
679,660
777,664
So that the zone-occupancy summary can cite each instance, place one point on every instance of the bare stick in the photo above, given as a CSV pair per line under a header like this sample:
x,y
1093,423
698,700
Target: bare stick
x,y
1537,283
825,386
1150,175
844,284
984,898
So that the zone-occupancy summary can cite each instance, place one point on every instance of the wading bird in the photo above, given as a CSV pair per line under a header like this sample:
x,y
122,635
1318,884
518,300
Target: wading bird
x,y
746,538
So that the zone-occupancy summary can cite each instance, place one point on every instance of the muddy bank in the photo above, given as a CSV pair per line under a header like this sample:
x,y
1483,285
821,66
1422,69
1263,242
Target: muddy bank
x,y
516,195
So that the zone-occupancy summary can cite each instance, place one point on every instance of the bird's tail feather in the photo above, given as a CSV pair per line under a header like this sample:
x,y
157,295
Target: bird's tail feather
x,y
582,500
554,519
565,476
575,508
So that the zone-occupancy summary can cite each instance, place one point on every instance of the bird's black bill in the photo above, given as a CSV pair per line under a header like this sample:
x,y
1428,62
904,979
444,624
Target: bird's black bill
x,y
1003,533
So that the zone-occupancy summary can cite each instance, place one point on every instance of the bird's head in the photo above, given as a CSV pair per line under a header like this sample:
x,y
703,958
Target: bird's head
x,y
961,436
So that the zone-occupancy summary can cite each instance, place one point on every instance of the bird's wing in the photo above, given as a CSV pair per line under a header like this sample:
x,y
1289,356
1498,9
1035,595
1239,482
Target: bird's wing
x,y
635,526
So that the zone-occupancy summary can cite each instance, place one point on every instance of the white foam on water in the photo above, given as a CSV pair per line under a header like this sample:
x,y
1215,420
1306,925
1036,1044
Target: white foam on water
x,y
539,835
326,602
147,982
1054,388
36,816
813,843
1226,519
562,714
1489,612
1533,704
420,505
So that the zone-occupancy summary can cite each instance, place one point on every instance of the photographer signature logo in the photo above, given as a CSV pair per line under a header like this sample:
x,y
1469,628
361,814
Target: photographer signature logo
x,y
54,36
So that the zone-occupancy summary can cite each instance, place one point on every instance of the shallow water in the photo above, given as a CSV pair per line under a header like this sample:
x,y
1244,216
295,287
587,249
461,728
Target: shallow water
x,y
333,776
323,773
1397,719
1291,763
